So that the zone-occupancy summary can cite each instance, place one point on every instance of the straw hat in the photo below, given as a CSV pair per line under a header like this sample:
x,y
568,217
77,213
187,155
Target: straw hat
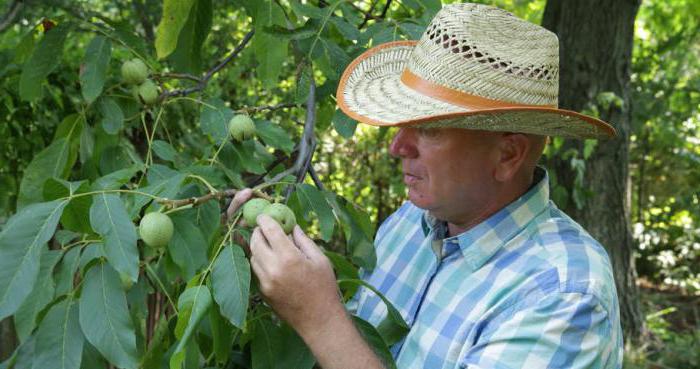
x,y
475,67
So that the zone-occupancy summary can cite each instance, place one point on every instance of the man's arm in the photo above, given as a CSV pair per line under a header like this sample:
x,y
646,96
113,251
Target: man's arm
x,y
297,280
560,330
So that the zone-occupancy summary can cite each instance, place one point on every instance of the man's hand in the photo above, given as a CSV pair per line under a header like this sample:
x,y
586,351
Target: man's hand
x,y
295,276
240,198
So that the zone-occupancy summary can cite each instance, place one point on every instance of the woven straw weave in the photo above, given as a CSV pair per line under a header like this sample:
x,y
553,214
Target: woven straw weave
x,y
517,63
475,50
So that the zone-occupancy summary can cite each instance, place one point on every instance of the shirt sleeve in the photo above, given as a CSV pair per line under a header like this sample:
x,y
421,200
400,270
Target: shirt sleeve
x,y
561,330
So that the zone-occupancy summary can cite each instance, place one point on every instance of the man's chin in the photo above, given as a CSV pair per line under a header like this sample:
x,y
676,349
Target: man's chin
x,y
419,200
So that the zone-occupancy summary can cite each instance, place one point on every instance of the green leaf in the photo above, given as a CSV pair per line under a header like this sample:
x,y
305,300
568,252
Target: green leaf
x,y
104,317
112,115
21,241
108,217
66,271
303,84
187,57
265,344
231,284
348,31
303,32
164,150
214,118
48,163
41,295
92,251
24,356
357,229
59,341
306,10
270,51
76,215
115,180
43,60
94,67
175,13
374,339
222,334
188,247
412,30
344,125
311,198
165,187
192,305
393,328
274,135
337,57
293,353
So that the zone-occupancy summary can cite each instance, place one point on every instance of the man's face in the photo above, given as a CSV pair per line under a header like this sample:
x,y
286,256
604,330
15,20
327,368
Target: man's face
x,y
448,171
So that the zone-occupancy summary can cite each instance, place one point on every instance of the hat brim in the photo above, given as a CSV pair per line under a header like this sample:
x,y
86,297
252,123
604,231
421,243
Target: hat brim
x,y
370,91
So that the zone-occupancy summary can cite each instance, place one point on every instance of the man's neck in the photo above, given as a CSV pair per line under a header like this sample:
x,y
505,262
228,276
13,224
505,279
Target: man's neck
x,y
456,227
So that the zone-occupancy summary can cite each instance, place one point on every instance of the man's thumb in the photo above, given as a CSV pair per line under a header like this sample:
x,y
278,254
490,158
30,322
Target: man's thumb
x,y
306,245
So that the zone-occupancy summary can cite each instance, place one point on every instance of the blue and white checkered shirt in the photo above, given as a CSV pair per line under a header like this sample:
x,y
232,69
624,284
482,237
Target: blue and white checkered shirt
x,y
526,288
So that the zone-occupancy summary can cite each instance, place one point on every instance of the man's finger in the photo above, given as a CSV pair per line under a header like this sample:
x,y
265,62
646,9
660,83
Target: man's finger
x,y
239,199
274,234
259,246
306,244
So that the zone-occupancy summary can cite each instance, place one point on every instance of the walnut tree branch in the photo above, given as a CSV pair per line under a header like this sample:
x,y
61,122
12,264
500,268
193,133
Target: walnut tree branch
x,y
194,201
205,79
307,140
12,13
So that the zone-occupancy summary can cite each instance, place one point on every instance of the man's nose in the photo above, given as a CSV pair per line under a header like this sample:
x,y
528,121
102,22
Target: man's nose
x,y
404,144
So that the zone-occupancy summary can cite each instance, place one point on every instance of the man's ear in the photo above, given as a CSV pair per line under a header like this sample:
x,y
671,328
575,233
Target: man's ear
x,y
513,152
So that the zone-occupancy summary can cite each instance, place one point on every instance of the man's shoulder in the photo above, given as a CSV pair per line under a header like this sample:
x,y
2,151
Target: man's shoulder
x,y
581,263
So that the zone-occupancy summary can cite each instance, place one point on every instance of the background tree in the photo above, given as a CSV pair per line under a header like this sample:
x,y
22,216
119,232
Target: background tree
x,y
596,39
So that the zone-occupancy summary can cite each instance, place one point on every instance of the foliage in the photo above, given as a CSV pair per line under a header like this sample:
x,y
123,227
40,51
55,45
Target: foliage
x,y
665,150
673,336
89,150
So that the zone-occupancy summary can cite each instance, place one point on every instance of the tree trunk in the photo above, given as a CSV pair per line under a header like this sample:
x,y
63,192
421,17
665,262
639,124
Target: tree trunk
x,y
595,40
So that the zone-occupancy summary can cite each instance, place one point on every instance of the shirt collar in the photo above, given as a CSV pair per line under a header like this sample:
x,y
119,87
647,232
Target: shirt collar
x,y
482,241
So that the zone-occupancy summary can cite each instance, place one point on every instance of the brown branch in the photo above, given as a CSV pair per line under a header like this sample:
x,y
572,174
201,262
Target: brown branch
x,y
12,13
254,109
307,140
205,80
194,201
314,177
368,14
160,76
140,8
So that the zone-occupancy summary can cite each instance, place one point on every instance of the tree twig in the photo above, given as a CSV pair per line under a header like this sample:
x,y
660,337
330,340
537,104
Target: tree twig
x,y
307,140
254,109
205,79
12,13
194,201
314,177
368,14
177,76
140,8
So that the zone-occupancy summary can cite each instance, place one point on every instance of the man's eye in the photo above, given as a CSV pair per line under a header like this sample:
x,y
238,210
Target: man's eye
x,y
429,132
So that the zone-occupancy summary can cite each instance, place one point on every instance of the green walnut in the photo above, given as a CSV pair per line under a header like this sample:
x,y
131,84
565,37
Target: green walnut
x,y
252,209
241,127
156,229
283,215
134,72
148,92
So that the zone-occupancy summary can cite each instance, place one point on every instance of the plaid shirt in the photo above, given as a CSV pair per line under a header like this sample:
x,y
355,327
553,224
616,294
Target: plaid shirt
x,y
526,288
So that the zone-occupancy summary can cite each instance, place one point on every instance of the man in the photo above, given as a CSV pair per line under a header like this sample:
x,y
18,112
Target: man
x,y
485,270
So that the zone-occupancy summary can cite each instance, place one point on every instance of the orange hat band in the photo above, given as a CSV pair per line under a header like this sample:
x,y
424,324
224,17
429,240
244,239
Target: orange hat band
x,y
455,97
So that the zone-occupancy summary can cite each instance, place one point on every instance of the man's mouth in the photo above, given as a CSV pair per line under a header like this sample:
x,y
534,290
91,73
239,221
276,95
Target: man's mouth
x,y
410,178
